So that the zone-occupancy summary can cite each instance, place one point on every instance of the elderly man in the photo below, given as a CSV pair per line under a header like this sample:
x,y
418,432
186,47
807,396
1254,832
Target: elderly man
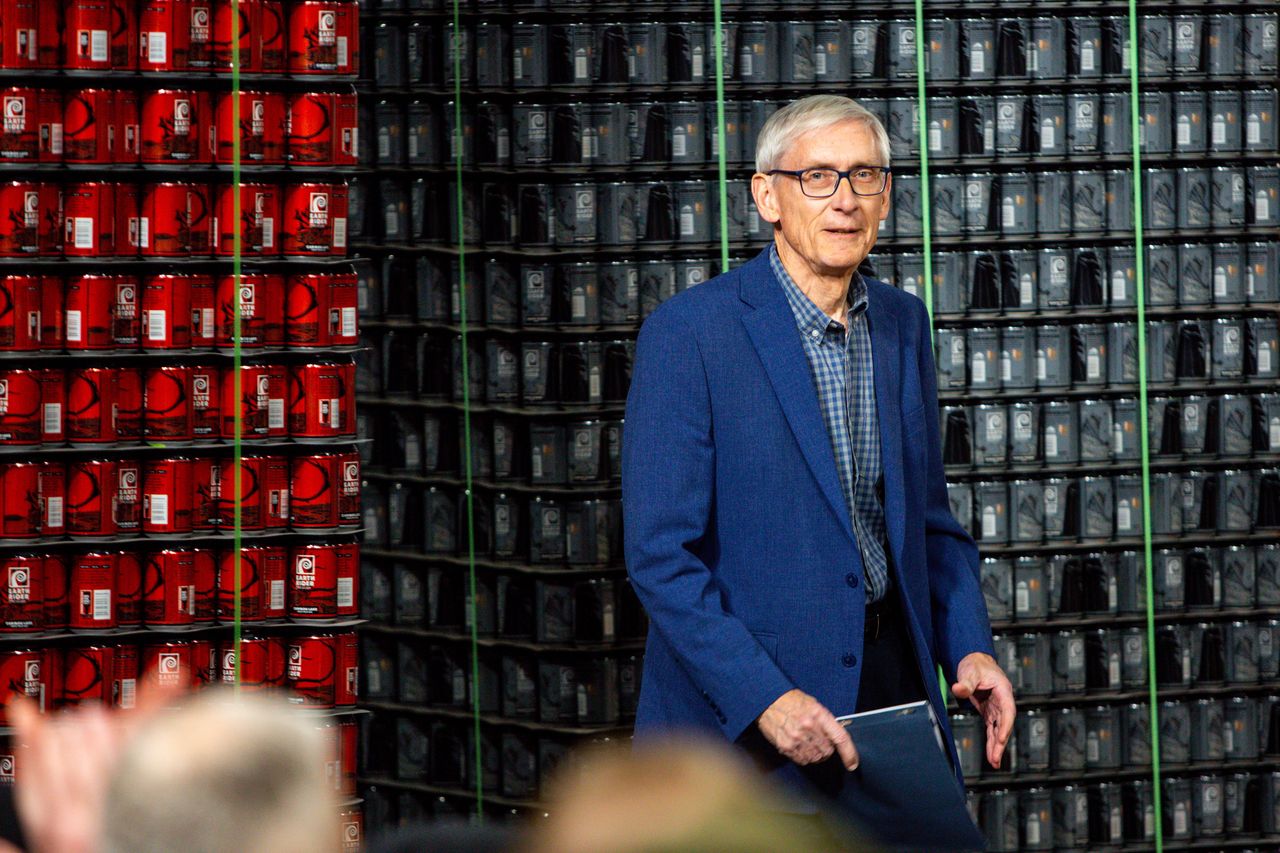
x,y
787,520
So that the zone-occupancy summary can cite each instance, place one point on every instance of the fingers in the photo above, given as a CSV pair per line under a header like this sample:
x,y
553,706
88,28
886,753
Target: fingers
x,y
961,690
843,744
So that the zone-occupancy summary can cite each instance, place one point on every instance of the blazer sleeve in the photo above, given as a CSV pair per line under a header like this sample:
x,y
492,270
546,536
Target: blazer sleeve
x,y
960,622
668,495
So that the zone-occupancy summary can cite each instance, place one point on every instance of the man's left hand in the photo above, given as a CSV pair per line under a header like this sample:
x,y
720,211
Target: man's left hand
x,y
981,680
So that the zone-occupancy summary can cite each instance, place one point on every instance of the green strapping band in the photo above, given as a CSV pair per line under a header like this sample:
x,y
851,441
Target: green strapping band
x,y
720,140
926,212
1135,116
236,271
457,44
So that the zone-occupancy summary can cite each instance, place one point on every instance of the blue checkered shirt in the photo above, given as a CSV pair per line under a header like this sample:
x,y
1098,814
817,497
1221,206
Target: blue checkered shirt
x,y
843,373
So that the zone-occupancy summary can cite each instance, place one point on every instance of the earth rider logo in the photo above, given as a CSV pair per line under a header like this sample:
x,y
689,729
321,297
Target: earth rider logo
x,y
15,114
19,585
304,571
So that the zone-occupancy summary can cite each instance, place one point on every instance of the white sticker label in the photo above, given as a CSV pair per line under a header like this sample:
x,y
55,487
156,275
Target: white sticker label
x,y
157,47
268,232
339,232
344,58
156,324
101,604
82,232
348,322
158,509
98,45
275,413
53,512
52,418
346,592
73,326
277,595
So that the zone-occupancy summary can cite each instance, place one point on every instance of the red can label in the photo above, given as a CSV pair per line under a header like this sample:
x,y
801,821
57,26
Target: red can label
x,y
201,35
20,320
20,30
249,496
164,219
169,664
346,122
124,677
206,421
22,594
90,302
93,580
21,674
127,502
22,218
320,310
164,35
166,312
271,31
203,327
205,575
20,494
126,316
128,403
20,407
260,405
313,501
56,586
317,44
262,123
250,41
30,125
52,319
86,34
167,496
128,589
89,218
206,475
315,219
169,589
128,127
128,220
166,403
312,670
173,128
245,298
262,583
124,35
89,126
53,498
352,820
91,406
88,674
256,657
322,400
259,215
310,129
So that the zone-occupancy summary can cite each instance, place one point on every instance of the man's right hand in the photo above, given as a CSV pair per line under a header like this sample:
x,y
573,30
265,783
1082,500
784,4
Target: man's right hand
x,y
806,732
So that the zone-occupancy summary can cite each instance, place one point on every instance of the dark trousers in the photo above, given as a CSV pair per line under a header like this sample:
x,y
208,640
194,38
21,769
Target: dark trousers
x,y
890,674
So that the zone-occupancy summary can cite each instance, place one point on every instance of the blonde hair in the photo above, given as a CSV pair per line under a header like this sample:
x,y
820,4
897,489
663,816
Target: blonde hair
x,y
814,113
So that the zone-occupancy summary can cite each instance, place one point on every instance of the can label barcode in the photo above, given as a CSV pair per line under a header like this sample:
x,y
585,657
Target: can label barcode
x,y
348,322
159,509
346,592
101,605
277,595
275,413
156,323
98,45
335,413
55,138
343,58
206,323
52,418
82,232
53,512
268,232
339,232
144,231
157,47
128,692
73,326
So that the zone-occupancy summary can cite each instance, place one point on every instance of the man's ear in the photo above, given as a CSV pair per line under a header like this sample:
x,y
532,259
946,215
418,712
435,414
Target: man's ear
x,y
762,191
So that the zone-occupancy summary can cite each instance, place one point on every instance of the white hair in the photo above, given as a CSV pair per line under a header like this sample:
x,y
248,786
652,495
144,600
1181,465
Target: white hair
x,y
223,773
814,113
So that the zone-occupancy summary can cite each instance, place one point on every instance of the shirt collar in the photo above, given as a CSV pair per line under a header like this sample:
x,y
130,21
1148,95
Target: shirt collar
x,y
809,317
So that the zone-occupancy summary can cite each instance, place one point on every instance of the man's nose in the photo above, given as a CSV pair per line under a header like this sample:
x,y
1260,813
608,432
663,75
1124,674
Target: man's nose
x,y
844,197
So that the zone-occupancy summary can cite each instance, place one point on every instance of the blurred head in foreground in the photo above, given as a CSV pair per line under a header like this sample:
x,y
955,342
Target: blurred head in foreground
x,y
687,796
223,773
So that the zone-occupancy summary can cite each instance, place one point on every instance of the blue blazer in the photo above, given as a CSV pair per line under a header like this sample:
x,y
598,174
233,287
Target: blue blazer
x,y
738,539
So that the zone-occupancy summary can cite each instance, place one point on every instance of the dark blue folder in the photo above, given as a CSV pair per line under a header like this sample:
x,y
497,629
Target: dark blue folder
x,y
904,793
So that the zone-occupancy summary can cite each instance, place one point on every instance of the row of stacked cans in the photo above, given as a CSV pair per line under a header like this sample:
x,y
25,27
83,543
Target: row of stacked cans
x,y
128,313
1109,737
1097,355
313,671
102,590
1109,815
172,219
502,448
1058,279
532,373
516,606
1009,127
298,37
175,496
594,691
1088,432
534,56
1035,588
164,126
1102,507
105,406
1106,660
541,530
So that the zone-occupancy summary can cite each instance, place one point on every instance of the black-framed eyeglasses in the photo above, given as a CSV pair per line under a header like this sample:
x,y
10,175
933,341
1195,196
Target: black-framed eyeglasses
x,y
822,182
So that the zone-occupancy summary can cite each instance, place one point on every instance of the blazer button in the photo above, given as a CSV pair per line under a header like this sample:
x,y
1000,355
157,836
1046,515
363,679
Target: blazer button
x,y
850,660
852,580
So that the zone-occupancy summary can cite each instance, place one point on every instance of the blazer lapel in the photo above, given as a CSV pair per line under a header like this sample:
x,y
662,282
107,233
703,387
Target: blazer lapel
x,y
772,329
886,352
